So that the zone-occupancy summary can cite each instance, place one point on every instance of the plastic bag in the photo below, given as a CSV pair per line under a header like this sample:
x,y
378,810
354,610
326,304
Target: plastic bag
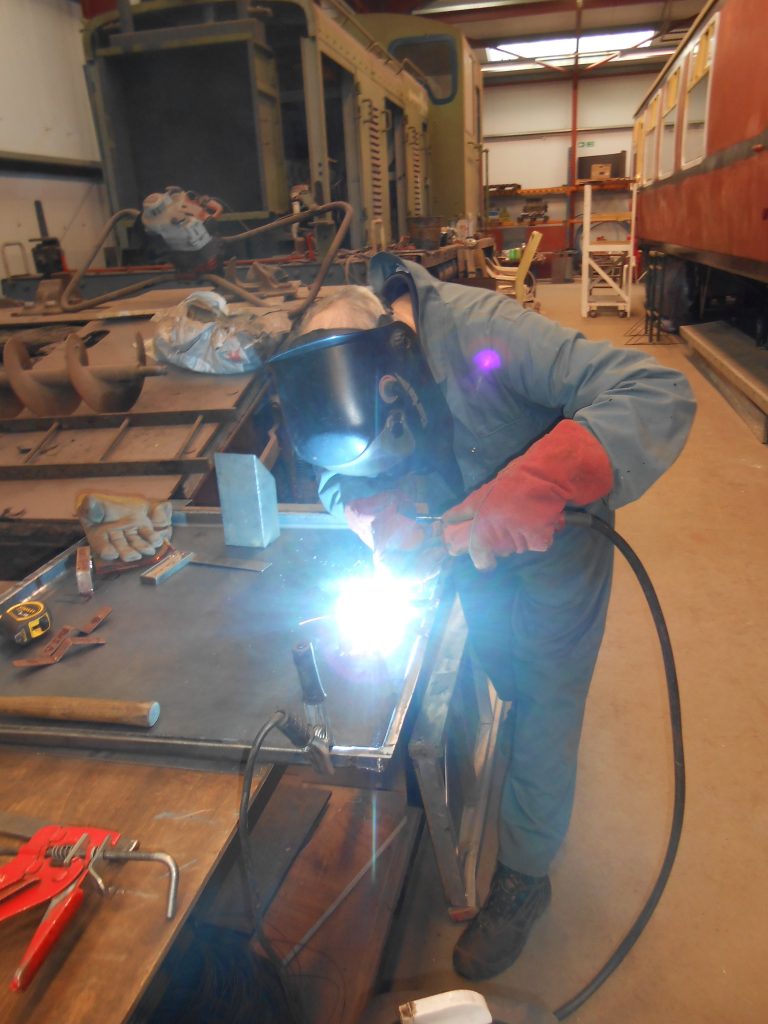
x,y
200,334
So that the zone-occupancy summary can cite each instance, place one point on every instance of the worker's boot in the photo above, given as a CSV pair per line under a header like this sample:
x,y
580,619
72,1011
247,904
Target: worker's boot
x,y
496,937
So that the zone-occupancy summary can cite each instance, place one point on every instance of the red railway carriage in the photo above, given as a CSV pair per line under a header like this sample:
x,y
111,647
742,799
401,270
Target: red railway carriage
x,y
701,154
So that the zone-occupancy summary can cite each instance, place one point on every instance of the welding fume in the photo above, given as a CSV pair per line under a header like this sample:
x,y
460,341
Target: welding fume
x,y
449,425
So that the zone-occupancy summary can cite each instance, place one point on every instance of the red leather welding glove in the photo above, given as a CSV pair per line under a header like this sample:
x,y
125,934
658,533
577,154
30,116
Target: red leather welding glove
x,y
522,507
397,541
380,524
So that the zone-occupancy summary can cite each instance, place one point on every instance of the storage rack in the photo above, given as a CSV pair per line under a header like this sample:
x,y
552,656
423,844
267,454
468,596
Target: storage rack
x,y
606,267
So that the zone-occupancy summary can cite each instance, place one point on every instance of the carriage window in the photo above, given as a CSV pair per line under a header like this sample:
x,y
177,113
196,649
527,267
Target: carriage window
x,y
637,149
650,141
697,98
669,124
435,57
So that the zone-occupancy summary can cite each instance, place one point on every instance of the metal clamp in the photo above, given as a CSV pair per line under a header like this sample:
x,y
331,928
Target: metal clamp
x,y
120,855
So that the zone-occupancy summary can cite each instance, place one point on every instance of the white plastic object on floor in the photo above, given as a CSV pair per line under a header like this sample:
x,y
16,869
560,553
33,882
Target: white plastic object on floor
x,y
457,1007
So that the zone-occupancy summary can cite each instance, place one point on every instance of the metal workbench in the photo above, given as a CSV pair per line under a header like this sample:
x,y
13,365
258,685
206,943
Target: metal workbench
x,y
214,647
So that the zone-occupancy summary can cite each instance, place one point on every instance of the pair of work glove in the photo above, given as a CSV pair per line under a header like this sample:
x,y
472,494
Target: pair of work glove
x,y
519,510
123,527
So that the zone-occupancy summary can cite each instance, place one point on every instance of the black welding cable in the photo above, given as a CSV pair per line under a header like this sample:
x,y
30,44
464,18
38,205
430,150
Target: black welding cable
x,y
276,720
584,519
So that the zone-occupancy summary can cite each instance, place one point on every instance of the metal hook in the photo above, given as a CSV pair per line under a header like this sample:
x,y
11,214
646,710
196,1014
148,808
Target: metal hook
x,y
163,858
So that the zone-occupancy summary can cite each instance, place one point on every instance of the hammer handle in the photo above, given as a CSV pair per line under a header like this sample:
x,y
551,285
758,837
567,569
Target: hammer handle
x,y
83,709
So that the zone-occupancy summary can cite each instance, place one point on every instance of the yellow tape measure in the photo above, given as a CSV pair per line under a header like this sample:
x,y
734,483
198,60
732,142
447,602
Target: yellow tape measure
x,y
26,621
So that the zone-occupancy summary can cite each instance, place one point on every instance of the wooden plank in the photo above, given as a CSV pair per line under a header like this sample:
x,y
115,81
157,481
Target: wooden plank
x,y
108,421
336,969
114,468
139,446
103,962
55,499
734,356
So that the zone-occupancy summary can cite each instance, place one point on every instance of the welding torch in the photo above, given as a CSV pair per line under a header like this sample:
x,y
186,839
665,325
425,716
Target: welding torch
x,y
421,563
425,561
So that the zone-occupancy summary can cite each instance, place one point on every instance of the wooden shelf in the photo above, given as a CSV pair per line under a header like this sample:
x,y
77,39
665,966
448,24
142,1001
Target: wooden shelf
x,y
617,217
601,184
514,224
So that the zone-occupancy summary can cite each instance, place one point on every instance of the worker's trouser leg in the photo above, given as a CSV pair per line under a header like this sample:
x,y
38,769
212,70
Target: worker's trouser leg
x,y
536,624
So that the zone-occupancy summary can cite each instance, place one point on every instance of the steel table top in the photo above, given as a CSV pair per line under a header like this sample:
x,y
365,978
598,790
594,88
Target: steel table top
x,y
214,646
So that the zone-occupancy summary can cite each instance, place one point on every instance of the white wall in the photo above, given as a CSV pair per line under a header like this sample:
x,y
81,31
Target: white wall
x,y
527,127
75,212
45,113
543,162
45,110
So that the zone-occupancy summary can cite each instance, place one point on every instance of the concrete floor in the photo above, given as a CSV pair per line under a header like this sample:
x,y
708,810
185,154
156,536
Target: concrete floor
x,y
701,532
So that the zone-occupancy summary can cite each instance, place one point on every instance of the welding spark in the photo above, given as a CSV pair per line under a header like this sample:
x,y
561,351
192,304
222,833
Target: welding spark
x,y
373,612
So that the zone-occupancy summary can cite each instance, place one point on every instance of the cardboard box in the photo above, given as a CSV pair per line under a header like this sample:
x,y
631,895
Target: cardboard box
x,y
600,171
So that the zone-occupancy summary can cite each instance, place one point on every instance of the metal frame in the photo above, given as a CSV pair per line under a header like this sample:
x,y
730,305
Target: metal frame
x,y
451,744
223,420
452,748
654,293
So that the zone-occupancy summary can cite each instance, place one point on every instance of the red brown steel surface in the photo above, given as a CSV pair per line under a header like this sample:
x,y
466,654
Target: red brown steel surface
x,y
723,211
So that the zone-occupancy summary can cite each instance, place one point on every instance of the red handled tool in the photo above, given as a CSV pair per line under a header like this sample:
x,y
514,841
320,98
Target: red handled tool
x,y
52,867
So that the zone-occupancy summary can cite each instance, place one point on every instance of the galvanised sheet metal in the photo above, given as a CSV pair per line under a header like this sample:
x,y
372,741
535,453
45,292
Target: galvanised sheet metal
x,y
213,646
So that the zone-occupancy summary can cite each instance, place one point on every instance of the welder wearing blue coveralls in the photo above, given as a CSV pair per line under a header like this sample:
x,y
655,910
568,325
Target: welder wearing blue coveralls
x,y
541,418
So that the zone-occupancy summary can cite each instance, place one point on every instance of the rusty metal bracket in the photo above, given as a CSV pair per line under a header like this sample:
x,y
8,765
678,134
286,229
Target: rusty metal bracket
x,y
108,388
57,391
113,854
46,392
48,295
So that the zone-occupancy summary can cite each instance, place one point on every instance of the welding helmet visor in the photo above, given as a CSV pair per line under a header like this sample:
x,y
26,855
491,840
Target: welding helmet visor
x,y
360,402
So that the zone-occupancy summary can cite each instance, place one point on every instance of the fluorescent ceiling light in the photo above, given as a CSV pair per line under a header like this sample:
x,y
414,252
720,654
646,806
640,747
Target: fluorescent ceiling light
x,y
525,65
450,7
560,54
646,55
615,41
519,66
549,49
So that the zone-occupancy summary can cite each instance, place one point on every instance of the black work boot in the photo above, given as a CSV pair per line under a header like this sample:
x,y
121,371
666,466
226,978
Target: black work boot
x,y
495,938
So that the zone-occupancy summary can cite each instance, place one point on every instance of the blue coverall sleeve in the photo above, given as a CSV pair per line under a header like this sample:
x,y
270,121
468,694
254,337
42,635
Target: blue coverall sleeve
x,y
640,411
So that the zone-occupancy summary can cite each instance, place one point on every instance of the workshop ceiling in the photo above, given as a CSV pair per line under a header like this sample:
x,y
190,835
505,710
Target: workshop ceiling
x,y
502,32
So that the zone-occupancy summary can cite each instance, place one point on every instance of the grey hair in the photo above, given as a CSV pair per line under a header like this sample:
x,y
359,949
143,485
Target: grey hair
x,y
351,305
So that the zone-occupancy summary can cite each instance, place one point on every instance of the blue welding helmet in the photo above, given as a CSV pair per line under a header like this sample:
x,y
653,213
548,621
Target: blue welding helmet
x,y
361,402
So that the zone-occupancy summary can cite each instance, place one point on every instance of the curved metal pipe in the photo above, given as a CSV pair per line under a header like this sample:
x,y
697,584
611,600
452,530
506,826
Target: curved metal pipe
x,y
333,248
69,305
73,306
